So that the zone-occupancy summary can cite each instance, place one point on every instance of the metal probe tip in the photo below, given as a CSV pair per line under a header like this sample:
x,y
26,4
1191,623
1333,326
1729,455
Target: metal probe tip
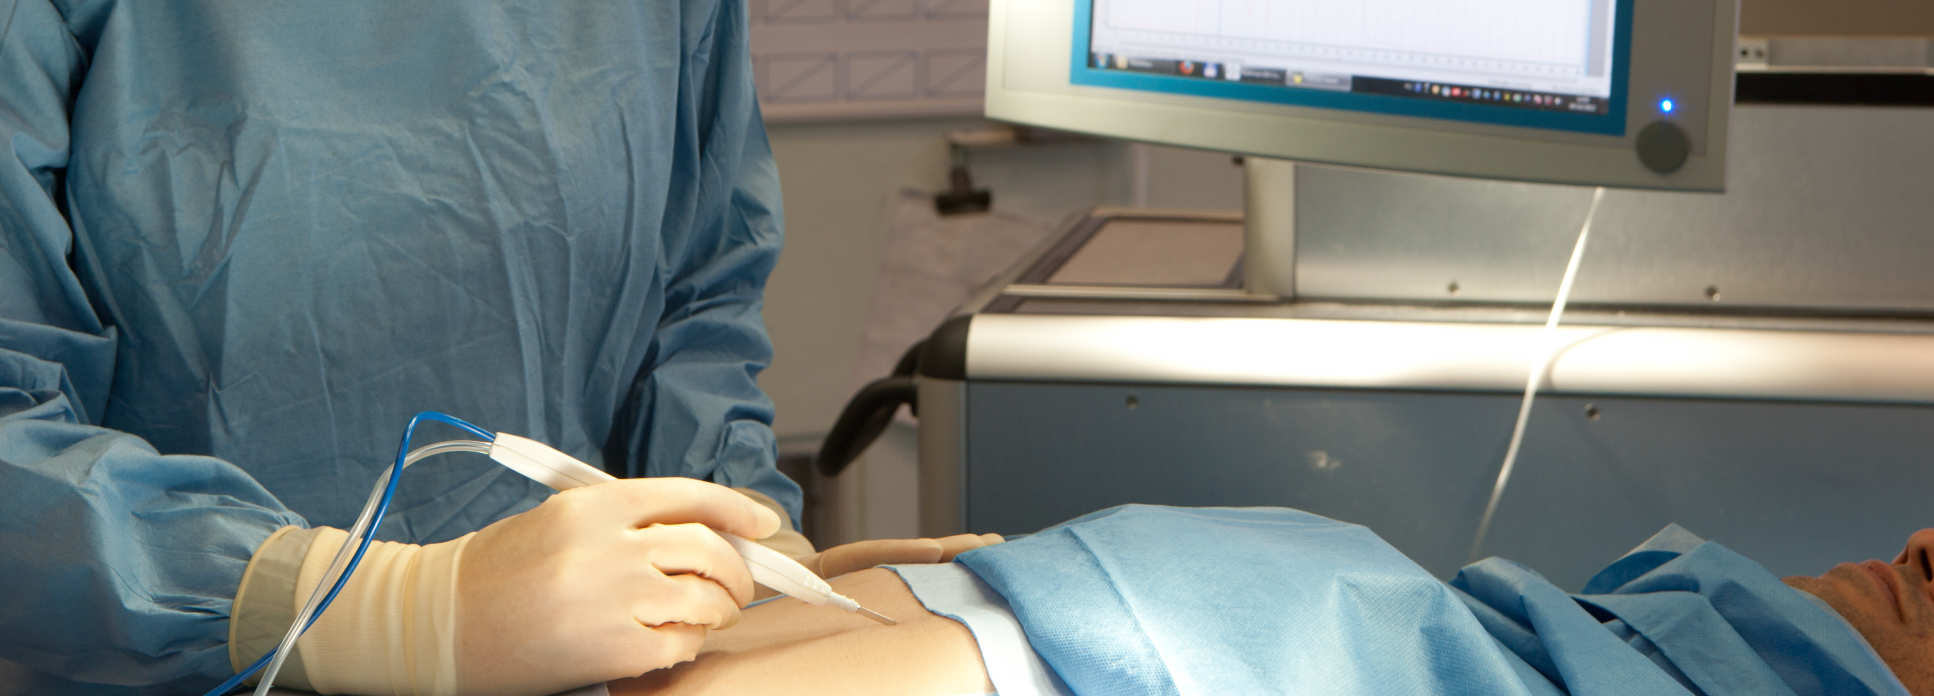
x,y
877,616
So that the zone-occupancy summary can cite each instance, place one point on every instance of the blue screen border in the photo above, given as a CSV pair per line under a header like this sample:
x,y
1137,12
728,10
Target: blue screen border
x,y
1611,123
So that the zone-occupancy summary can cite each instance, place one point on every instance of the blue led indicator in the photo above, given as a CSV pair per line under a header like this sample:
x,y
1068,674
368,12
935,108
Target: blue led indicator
x,y
1666,106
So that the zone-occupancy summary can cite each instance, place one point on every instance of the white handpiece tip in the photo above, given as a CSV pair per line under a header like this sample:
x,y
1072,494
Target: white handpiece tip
x,y
779,572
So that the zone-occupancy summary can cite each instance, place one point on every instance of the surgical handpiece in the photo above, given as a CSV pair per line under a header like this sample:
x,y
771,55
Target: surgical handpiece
x,y
775,570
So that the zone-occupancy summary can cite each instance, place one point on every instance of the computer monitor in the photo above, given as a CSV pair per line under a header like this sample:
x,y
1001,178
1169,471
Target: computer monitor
x,y
1627,93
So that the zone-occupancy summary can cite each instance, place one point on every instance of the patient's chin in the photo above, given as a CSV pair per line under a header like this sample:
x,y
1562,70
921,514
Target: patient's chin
x,y
1907,650
1912,660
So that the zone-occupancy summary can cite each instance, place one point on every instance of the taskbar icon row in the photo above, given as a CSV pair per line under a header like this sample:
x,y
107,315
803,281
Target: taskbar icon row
x,y
1476,94
1286,77
1219,70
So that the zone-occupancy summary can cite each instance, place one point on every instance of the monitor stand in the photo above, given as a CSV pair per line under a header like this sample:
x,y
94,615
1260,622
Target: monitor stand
x,y
1269,228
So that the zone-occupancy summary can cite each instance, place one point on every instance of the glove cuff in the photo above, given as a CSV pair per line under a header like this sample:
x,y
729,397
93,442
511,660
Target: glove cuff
x,y
263,606
393,627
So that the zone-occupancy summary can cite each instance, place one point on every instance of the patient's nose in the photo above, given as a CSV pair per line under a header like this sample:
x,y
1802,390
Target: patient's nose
x,y
1919,554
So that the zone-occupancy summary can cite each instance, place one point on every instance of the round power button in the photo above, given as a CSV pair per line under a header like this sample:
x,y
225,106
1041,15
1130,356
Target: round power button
x,y
1663,147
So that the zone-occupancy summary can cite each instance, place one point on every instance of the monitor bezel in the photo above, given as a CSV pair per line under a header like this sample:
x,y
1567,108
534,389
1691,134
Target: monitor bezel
x,y
1675,48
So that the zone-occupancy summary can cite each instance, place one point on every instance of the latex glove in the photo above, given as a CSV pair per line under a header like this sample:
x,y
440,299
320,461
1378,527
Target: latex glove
x,y
597,583
860,555
610,580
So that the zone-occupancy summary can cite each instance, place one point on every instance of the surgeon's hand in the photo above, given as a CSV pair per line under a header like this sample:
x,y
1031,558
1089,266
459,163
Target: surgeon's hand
x,y
860,555
597,583
606,581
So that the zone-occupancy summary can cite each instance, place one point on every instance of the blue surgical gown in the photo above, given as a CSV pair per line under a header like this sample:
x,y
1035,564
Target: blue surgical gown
x,y
242,242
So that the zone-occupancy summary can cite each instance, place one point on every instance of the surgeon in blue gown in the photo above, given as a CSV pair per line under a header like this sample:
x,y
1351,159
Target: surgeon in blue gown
x,y
241,243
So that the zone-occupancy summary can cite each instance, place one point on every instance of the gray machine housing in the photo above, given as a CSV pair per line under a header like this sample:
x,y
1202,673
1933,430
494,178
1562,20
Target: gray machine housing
x,y
1757,366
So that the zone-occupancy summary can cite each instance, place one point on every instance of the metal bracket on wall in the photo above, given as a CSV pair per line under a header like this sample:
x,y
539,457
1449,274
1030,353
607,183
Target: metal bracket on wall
x,y
961,197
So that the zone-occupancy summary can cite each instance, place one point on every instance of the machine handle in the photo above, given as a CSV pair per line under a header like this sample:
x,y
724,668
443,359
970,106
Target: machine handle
x,y
862,421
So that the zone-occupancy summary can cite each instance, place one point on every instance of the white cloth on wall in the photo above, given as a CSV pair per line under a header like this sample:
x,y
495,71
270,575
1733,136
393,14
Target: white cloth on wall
x,y
932,265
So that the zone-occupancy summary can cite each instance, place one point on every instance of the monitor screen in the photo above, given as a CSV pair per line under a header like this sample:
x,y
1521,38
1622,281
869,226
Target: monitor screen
x,y
1551,64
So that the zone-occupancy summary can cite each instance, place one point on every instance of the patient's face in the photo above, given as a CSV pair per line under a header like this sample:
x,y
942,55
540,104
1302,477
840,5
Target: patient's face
x,y
1891,604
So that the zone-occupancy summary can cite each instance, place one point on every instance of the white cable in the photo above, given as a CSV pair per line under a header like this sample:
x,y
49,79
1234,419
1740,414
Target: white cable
x,y
348,548
1538,369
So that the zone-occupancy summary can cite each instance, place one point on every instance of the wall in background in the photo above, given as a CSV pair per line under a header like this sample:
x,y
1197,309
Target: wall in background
x,y
841,181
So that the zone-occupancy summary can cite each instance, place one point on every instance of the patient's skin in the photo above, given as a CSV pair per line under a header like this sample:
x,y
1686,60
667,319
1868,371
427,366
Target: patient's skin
x,y
1892,605
787,646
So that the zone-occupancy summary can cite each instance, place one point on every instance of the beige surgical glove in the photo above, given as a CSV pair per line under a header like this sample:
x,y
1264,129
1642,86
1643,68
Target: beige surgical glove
x,y
597,583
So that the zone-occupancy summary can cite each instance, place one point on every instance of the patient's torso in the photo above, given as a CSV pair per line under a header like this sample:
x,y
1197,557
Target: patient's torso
x,y
787,646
